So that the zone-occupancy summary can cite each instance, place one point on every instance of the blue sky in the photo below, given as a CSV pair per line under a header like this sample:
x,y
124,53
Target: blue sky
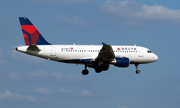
x,y
27,81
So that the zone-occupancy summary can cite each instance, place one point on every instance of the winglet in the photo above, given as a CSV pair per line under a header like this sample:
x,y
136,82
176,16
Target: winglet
x,y
104,44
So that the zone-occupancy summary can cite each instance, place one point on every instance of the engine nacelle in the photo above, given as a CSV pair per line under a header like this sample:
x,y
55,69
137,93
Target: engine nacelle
x,y
121,62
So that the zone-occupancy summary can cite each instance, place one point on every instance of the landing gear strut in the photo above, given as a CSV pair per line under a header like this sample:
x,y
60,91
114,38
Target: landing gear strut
x,y
85,71
137,71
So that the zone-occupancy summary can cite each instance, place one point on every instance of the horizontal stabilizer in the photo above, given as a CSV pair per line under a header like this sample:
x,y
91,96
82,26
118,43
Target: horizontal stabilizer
x,y
33,48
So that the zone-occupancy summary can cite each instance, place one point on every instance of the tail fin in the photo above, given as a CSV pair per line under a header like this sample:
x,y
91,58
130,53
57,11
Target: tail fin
x,y
30,33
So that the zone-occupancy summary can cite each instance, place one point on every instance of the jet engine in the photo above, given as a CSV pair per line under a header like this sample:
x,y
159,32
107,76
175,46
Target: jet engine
x,y
121,62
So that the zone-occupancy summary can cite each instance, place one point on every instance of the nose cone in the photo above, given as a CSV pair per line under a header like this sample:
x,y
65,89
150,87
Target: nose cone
x,y
155,57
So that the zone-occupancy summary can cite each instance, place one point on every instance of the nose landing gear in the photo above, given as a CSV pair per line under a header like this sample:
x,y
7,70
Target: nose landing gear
x,y
137,71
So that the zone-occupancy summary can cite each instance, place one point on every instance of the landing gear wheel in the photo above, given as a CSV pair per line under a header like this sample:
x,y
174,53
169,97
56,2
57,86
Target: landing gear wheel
x,y
85,72
137,71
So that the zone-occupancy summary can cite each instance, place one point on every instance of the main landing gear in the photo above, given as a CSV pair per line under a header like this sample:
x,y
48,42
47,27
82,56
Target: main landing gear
x,y
85,71
137,71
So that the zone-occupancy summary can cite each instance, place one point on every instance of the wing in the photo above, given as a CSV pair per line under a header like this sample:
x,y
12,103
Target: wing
x,y
106,53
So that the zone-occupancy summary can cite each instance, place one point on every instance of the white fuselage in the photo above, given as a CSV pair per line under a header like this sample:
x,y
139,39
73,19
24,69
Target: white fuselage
x,y
68,53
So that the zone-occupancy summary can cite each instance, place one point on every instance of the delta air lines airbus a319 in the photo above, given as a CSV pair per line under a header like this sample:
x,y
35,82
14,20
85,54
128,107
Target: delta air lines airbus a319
x,y
98,57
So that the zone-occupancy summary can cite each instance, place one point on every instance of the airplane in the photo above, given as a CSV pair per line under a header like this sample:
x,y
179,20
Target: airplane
x,y
98,57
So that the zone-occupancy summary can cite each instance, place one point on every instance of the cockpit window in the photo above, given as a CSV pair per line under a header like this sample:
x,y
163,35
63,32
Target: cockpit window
x,y
149,51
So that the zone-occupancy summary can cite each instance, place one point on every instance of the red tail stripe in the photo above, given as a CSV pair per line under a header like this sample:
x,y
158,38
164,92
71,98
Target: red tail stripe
x,y
34,37
28,28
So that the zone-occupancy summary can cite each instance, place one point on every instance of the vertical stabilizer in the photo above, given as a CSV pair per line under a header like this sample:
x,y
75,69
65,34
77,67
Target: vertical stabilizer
x,y
30,33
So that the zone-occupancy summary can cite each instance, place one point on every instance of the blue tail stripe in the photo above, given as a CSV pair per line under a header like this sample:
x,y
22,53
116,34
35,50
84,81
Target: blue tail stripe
x,y
42,41
25,21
